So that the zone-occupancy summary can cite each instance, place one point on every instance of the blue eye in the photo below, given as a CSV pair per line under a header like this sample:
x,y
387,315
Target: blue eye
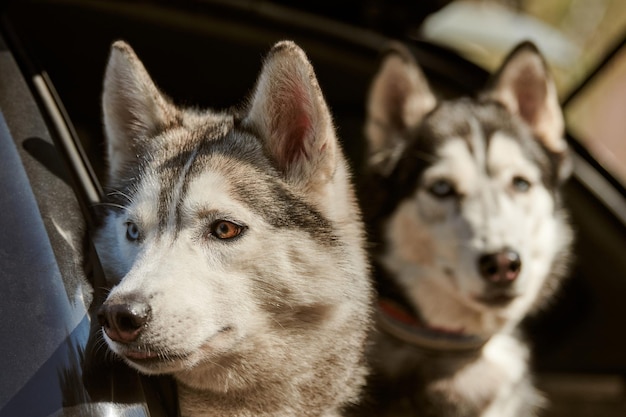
x,y
132,232
520,184
442,188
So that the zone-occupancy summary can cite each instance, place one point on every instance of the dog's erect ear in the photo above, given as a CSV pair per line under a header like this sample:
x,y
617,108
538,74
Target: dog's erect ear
x,y
133,108
399,97
290,114
523,84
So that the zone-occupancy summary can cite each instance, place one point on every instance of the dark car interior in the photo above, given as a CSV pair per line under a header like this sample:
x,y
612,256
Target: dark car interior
x,y
207,54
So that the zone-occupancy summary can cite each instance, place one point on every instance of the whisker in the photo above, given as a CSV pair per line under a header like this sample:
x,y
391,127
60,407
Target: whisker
x,y
119,193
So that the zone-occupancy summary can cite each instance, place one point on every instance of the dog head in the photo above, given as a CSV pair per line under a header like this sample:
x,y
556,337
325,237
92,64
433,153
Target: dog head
x,y
233,237
468,213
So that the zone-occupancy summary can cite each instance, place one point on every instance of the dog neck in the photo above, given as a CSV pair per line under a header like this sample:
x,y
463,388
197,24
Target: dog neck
x,y
398,320
401,319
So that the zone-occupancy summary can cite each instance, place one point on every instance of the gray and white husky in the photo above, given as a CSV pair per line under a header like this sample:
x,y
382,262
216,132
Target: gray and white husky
x,y
470,235
235,243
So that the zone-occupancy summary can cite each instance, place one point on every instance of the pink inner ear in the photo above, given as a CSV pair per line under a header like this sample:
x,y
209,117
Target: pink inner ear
x,y
531,95
293,125
527,102
395,101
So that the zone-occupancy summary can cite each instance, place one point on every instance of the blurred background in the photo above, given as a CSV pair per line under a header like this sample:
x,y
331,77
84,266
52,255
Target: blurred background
x,y
576,36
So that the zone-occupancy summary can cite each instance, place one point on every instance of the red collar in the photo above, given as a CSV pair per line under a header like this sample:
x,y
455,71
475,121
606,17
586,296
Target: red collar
x,y
399,322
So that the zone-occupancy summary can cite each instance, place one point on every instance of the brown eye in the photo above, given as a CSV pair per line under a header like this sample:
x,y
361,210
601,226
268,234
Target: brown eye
x,y
224,229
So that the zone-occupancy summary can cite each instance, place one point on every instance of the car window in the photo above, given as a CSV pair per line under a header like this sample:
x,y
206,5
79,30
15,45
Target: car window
x,y
596,116
575,36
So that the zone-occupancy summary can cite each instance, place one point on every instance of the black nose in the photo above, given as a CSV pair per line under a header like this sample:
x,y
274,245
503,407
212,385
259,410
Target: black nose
x,y
124,321
500,268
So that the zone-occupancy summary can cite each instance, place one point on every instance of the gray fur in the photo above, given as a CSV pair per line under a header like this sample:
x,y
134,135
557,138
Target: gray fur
x,y
271,321
427,246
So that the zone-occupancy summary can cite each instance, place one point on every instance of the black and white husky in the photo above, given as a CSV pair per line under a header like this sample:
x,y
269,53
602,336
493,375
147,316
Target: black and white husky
x,y
462,197
236,244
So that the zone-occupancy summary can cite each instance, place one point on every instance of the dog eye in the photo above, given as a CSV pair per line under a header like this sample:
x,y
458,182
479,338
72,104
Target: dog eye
x,y
442,189
520,184
132,232
224,229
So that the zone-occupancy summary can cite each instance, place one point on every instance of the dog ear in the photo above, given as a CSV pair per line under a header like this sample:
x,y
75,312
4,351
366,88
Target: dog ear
x,y
290,114
133,108
523,84
399,98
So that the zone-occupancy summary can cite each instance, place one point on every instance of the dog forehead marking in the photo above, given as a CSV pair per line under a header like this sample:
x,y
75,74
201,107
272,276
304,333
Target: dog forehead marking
x,y
212,192
187,154
242,178
455,161
477,142
506,156
178,191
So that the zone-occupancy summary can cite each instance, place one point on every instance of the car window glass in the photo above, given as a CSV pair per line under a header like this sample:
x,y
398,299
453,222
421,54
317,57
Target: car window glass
x,y
596,116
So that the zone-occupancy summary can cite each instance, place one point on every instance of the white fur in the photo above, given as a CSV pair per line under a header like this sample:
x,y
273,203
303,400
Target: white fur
x,y
491,216
271,323
431,244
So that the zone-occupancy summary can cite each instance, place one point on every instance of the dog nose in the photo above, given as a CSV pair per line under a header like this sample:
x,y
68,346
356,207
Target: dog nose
x,y
123,322
501,268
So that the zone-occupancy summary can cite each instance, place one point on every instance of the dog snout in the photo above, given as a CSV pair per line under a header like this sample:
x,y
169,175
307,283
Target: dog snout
x,y
124,321
500,268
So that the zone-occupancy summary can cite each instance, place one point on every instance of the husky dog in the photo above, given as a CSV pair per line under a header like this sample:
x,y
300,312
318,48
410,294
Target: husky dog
x,y
470,235
236,244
